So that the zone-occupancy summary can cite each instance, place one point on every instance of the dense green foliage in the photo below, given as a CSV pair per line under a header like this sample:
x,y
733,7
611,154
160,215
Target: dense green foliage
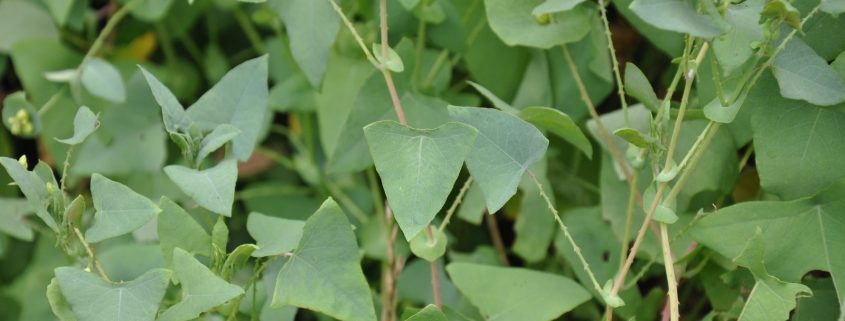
x,y
422,160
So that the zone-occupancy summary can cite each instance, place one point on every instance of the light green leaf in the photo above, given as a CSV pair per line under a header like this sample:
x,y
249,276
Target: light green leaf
x,y
676,15
201,289
802,74
554,6
792,160
273,235
418,167
212,188
505,147
633,136
12,218
771,299
119,210
637,86
20,117
85,123
780,9
176,228
560,124
733,48
473,206
665,215
312,27
429,313
393,62
58,303
103,80
239,99
514,23
324,273
429,247
221,135
833,7
174,115
60,9
800,235
33,188
516,293
93,299
23,20
715,111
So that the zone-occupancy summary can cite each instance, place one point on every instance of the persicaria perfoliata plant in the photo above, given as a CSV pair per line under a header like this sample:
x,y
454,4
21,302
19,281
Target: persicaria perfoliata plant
x,y
422,160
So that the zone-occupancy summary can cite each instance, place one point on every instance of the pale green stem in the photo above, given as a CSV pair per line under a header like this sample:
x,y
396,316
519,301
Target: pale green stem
x,y
453,208
620,87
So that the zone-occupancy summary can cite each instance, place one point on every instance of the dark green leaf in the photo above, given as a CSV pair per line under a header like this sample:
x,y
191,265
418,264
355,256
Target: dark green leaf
x,y
212,188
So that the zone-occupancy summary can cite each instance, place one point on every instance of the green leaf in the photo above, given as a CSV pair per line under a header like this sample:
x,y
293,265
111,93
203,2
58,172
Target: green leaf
x,y
560,124
239,99
771,299
23,20
554,6
833,7
20,117
85,123
174,115
514,23
33,188
221,135
795,161
429,247
102,79
176,228
473,206
429,313
638,86
58,303
324,273
802,74
418,167
119,210
516,293
535,225
393,62
715,111
201,289
93,299
733,48
12,220
780,9
505,147
675,15
212,188
273,235
633,136
800,235
312,27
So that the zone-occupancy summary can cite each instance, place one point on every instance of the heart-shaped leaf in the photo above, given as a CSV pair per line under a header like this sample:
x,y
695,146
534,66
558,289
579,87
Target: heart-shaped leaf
x,y
176,228
93,299
418,167
506,146
324,273
102,79
212,188
119,210
273,235
84,124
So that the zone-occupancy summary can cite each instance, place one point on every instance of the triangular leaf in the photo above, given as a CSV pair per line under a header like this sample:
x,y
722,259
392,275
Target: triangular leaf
x,y
12,218
418,167
312,27
84,124
273,235
502,293
560,124
638,86
93,299
324,273
803,74
675,15
119,210
212,188
239,99
218,137
429,313
174,115
505,148
176,228
201,289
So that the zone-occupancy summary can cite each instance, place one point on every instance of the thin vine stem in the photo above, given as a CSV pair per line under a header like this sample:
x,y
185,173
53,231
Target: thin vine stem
x,y
603,132
355,35
249,29
620,88
93,258
671,280
566,233
453,208
629,218
107,30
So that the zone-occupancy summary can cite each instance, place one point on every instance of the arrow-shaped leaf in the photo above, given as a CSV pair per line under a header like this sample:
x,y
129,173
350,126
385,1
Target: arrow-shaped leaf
x,y
213,188
93,299
120,210
201,289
